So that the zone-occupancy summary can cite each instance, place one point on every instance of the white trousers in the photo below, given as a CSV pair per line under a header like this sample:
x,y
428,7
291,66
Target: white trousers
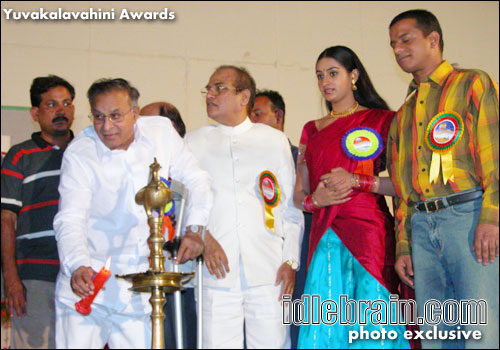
x,y
130,329
225,310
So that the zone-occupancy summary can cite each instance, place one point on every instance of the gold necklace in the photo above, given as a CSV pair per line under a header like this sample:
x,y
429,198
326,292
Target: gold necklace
x,y
346,113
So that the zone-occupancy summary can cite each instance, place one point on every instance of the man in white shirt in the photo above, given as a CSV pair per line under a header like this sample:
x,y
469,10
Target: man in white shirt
x,y
102,170
250,256
269,108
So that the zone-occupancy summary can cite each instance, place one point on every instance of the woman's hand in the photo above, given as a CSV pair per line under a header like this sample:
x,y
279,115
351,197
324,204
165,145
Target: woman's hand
x,y
337,179
326,196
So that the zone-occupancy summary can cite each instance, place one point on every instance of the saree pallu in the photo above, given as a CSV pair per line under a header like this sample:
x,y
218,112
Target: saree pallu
x,y
352,245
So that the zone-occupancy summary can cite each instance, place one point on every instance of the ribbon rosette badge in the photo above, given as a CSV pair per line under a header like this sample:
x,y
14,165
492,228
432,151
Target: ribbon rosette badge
x,y
270,192
363,144
442,134
170,206
169,214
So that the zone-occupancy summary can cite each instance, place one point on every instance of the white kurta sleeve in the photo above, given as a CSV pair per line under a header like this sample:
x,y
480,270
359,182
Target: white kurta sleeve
x,y
184,167
70,223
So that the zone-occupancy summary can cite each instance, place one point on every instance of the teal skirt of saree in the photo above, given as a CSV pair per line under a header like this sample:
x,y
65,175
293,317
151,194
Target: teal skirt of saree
x,y
335,275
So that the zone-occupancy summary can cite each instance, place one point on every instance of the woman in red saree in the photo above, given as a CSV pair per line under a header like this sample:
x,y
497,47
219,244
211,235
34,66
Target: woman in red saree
x,y
352,243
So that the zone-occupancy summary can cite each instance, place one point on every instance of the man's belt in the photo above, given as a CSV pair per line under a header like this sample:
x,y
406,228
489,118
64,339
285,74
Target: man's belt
x,y
433,205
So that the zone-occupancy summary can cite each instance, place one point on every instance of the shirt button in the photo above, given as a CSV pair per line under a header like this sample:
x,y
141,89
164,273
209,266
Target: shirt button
x,y
421,102
420,123
235,142
237,181
423,169
419,147
427,190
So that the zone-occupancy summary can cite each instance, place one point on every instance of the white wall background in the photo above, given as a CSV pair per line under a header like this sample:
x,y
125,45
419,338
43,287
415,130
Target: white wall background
x,y
277,41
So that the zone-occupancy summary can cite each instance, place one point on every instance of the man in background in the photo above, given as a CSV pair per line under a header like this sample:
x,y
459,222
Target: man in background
x,y
269,108
30,177
168,110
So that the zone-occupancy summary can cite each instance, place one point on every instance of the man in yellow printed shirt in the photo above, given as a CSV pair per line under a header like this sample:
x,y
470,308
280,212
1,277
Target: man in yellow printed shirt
x,y
443,156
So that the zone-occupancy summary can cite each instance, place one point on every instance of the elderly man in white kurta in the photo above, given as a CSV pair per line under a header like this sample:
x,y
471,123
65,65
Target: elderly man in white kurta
x,y
102,170
250,261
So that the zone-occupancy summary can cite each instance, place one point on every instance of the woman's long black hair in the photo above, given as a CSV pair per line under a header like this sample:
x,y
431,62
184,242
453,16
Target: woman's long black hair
x,y
365,95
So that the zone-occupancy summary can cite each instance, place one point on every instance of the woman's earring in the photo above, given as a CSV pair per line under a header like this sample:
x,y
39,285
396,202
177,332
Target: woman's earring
x,y
354,87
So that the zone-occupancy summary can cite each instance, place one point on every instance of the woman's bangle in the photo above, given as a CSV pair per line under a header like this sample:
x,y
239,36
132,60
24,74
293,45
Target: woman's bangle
x,y
366,183
354,181
310,204
315,202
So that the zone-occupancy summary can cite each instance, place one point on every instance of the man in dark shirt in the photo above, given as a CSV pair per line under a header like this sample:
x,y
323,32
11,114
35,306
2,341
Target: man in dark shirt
x,y
30,177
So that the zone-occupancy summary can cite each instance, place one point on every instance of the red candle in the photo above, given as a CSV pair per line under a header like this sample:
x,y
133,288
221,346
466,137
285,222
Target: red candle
x,y
83,306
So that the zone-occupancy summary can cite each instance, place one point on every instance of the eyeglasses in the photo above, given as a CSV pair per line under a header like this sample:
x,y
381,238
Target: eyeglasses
x,y
216,90
115,117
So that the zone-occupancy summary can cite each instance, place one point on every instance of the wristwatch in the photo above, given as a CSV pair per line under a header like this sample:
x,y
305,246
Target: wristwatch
x,y
293,264
194,228
197,229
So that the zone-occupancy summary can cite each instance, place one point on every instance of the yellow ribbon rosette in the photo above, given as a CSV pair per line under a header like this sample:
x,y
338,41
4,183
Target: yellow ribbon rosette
x,y
364,145
270,192
442,134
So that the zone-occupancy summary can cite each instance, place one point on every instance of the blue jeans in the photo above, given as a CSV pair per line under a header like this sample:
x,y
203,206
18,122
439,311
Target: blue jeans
x,y
445,268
